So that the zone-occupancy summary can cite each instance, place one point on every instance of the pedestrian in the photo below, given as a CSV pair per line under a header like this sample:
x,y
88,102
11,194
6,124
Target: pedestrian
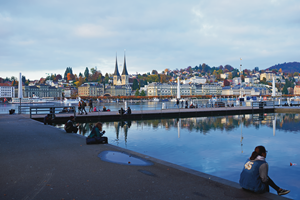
x,y
79,108
177,103
91,105
182,104
254,176
83,104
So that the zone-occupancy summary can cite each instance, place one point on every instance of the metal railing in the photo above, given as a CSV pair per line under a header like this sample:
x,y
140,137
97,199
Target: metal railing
x,y
44,110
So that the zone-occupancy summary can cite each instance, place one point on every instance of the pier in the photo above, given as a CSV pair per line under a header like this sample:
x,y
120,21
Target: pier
x,y
151,114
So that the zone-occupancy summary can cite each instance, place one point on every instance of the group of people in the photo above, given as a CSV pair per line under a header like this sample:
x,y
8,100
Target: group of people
x,y
71,127
125,112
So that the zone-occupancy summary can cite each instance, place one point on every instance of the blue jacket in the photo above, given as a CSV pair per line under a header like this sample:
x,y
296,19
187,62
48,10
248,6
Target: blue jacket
x,y
95,132
250,179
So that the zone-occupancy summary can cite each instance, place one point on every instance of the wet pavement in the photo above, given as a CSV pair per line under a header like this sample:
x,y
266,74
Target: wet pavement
x,y
43,162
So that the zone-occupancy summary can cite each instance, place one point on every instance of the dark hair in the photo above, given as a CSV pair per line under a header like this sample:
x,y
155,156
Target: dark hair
x,y
257,152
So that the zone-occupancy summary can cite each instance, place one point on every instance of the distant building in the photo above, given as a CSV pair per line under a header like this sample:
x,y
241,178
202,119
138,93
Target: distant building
x,y
7,91
297,90
268,75
244,91
70,91
170,89
91,90
42,91
121,85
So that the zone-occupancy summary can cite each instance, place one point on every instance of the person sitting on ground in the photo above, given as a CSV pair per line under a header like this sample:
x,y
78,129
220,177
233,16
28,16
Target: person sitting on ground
x,y
128,111
121,111
48,119
104,109
192,105
254,176
97,131
64,110
70,109
70,127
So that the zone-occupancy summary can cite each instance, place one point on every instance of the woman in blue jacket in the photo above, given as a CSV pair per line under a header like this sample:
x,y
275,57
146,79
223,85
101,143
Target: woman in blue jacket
x,y
97,131
254,176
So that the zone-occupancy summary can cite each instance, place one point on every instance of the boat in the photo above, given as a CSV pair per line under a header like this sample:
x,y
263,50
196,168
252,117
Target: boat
x,y
72,101
155,100
34,99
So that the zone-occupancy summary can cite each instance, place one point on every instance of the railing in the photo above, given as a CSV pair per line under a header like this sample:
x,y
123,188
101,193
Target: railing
x,y
44,110
262,104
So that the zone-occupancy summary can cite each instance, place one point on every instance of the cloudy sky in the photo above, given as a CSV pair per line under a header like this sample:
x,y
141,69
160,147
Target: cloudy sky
x,y
40,37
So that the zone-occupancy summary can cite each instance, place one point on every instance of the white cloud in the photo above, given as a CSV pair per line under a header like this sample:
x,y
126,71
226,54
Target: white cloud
x,y
43,36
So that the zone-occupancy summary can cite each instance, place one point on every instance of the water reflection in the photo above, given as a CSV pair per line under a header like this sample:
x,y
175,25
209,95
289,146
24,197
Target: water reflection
x,y
203,125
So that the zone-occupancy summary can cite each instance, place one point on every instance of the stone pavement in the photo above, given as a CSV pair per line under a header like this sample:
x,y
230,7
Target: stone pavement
x,y
43,162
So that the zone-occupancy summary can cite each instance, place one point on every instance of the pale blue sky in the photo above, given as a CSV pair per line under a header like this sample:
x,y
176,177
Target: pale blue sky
x,y
39,37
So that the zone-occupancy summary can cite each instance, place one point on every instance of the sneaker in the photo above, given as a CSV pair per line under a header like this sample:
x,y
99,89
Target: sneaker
x,y
283,192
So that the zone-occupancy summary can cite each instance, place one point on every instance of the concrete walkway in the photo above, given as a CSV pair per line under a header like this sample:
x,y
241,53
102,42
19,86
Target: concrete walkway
x,y
43,162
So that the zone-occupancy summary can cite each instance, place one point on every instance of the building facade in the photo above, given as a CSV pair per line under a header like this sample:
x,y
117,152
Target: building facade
x,y
42,91
7,91
91,90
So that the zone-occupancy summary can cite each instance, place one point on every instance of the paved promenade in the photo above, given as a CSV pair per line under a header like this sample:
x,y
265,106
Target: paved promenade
x,y
43,162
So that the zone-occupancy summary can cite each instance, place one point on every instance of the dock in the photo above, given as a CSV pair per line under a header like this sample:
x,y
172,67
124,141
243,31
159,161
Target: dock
x,y
43,162
158,114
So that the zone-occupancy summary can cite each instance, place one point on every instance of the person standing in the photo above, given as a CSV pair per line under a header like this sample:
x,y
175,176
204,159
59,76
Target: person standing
x,y
254,176
79,108
91,105
83,104
177,103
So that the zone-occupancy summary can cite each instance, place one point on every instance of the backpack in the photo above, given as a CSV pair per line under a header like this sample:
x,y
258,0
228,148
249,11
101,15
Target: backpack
x,y
83,104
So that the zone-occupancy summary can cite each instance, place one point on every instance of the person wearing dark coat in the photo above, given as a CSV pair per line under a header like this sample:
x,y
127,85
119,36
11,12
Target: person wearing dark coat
x,y
70,127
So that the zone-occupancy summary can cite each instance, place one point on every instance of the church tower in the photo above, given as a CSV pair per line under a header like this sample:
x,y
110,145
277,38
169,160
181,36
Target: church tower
x,y
125,76
116,74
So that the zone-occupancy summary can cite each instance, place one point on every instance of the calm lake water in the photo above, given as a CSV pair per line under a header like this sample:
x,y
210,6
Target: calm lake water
x,y
215,145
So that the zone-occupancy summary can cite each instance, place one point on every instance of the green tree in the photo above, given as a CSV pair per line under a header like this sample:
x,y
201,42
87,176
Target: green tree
x,y
86,73
143,93
106,78
135,84
137,93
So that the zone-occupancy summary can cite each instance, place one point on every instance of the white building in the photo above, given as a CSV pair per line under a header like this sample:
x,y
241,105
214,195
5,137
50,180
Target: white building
x,y
7,91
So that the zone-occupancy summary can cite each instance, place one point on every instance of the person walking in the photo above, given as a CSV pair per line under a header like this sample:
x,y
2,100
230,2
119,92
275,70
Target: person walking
x,y
254,176
79,108
91,105
83,104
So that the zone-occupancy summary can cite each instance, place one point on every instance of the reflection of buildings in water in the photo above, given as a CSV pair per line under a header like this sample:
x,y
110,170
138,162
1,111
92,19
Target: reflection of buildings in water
x,y
248,116
117,128
224,120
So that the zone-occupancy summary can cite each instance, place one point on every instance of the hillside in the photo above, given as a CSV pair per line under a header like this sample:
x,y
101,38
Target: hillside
x,y
290,67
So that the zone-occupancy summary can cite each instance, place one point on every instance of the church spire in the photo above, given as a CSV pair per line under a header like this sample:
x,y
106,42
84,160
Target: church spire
x,y
124,68
116,73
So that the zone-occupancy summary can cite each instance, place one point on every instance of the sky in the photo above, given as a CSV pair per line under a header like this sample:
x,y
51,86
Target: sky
x,y
38,38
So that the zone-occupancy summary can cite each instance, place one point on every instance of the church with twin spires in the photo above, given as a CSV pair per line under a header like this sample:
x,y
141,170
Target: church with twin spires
x,y
121,86
122,79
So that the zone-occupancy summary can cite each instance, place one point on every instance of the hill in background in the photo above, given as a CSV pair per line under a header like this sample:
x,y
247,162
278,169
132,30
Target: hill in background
x,y
289,67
